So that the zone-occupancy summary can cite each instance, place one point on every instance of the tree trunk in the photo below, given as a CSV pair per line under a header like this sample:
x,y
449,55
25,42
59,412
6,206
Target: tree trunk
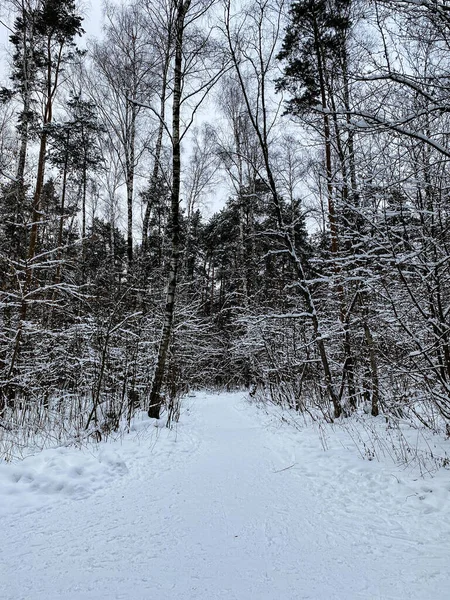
x,y
57,278
158,150
375,409
156,399
130,166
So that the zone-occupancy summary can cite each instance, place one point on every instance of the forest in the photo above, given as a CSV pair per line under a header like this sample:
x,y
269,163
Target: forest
x,y
214,194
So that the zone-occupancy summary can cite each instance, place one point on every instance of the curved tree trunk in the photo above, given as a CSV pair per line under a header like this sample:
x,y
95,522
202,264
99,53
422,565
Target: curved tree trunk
x,y
261,131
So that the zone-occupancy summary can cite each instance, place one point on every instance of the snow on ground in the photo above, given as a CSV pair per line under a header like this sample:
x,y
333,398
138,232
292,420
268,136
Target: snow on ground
x,y
233,504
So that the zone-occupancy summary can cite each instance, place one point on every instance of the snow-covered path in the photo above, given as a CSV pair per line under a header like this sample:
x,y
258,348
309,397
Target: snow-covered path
x,y
226,507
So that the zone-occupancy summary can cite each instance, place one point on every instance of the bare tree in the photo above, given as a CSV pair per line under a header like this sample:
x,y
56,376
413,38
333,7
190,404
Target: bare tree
x,y
120,78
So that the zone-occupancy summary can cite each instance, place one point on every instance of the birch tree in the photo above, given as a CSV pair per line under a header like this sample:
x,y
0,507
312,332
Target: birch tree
x,y
120,79
197,66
